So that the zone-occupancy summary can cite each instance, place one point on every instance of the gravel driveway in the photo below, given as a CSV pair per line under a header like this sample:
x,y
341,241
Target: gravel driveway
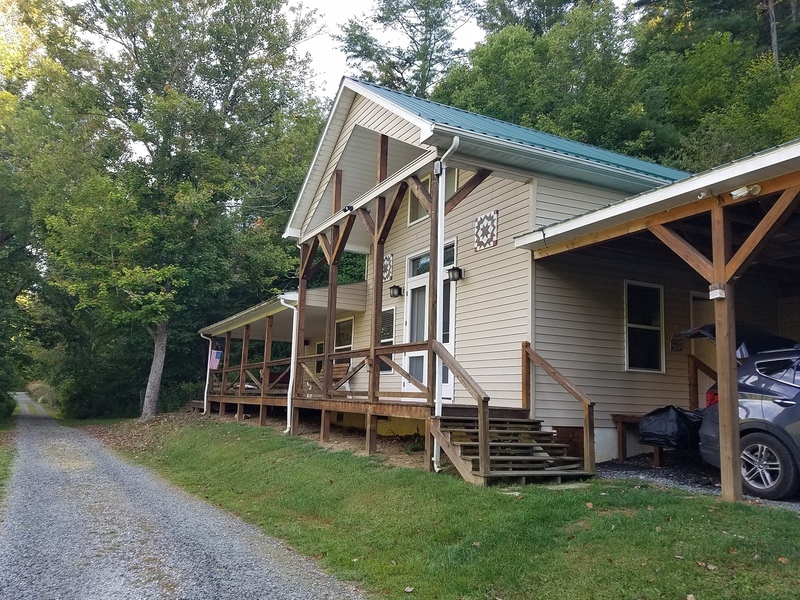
x,y
79,522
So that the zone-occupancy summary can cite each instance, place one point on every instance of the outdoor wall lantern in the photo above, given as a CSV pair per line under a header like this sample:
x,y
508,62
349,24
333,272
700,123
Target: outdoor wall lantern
x,y
395,291
455,273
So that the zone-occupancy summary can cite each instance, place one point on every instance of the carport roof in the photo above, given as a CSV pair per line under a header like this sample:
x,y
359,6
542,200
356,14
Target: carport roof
x,y
631,215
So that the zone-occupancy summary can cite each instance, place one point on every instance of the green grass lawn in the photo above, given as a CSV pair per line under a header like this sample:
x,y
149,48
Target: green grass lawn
x,y
391,528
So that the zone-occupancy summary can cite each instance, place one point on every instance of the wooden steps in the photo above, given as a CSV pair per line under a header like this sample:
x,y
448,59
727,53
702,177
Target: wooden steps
x,y
518,446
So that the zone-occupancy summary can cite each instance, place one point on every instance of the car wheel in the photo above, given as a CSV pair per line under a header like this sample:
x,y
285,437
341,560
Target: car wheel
x,y
768,470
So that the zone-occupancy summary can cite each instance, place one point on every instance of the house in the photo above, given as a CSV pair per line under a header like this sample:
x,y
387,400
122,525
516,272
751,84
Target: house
x,y
520,288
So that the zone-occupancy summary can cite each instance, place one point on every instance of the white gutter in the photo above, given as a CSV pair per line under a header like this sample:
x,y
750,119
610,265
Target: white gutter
x,y
208,372
554,155
442,197
774,163
295,325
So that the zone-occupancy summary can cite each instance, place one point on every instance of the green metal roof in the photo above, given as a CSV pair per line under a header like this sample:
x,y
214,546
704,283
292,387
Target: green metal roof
x,y
441,114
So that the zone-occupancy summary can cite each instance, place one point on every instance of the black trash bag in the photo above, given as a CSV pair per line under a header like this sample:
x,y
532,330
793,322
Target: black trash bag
x,y
671,427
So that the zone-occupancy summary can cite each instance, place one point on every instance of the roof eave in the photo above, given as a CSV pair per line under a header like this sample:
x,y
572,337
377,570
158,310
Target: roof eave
x,y
719,180
577,162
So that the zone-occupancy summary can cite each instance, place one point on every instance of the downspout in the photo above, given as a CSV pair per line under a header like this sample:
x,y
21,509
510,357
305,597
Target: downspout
x,y
442,174
208,372
295,320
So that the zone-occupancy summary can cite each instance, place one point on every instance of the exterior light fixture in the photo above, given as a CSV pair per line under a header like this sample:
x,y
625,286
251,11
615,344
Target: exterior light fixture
x,y
704,194
745,190
455,274
395,291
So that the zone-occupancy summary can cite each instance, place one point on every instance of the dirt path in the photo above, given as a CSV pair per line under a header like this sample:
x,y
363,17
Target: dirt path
x,y
79,522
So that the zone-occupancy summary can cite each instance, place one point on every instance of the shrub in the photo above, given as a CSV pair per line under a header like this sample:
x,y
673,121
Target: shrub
x,y
176,395
7,405
43,393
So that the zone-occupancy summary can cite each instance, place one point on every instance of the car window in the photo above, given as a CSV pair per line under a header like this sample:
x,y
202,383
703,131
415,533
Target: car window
x,y
782,369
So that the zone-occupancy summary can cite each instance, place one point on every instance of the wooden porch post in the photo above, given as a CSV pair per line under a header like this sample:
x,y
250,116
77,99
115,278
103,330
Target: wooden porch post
x,y
378,243
245,355
262,410
306,256
727,385
226,362
330,330
433,283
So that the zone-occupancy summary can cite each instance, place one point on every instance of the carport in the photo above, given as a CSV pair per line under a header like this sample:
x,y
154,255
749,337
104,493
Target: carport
x,y
720,223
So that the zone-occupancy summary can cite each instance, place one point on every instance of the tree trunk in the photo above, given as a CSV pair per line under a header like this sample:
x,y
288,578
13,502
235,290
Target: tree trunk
x,y
150,407
773,31
793,4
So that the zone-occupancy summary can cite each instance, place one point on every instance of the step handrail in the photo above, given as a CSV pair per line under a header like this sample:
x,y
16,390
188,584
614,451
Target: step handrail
x,y
477,392
529,355
695,365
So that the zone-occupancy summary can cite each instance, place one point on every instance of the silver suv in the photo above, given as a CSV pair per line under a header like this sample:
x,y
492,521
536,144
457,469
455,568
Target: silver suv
x,y
769,422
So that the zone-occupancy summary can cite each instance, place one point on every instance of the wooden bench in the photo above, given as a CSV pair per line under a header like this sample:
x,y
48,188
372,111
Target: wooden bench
x,y
622,443
338,373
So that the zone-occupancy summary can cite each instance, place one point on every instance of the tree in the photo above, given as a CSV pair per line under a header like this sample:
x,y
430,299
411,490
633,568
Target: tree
x,y
421,50
537,16
572,80
149,149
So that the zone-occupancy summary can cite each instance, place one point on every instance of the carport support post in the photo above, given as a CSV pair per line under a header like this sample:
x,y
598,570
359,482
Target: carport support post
x,y
727,385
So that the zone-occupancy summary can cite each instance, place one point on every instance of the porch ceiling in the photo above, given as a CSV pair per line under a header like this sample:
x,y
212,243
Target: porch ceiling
x,y
359,166
351,298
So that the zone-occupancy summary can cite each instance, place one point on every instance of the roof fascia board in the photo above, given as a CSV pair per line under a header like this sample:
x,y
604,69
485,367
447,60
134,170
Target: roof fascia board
x,y
249,315
425,127
488,140
378,190
664,198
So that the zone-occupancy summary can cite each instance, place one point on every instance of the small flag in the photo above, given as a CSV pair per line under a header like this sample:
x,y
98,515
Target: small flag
x,y
216,356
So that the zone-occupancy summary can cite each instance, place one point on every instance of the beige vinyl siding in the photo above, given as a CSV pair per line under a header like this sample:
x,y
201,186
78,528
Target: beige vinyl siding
x,y
371,116
580,329
559,199
492,301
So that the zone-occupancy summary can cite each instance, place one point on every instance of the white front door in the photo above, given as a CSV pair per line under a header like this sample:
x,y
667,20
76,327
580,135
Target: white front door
x,y
416,328
417,320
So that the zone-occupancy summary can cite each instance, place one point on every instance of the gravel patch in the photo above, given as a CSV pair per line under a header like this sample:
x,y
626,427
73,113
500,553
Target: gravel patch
x,y
79,522
682,469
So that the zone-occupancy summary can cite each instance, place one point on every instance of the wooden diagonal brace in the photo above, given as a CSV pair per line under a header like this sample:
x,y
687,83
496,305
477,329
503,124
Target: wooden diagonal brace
x,y
405,374
366,221
310,251
391,213
326,247
465,190
341,240
772,221
420,192
685,250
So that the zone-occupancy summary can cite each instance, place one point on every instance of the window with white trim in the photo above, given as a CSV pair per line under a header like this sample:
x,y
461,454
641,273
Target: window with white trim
x,y
387,335
343,337
417,212
644,327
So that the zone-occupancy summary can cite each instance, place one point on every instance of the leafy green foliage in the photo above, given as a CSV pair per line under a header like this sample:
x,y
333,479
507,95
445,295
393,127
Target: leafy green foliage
x,y
159,146
537,16
422,50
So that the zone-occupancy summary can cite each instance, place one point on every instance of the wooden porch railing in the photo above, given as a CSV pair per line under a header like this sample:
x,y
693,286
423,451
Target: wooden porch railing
x,y
529,355
695,365
226,382
480,396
